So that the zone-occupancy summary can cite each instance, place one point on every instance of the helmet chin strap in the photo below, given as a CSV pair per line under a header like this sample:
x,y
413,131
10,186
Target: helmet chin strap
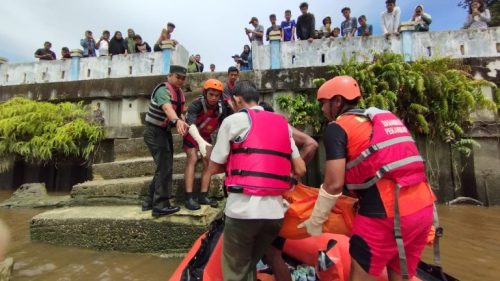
x,y
339,112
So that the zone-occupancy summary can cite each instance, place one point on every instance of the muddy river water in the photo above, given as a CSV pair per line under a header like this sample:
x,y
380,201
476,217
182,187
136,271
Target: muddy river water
x,y
470,251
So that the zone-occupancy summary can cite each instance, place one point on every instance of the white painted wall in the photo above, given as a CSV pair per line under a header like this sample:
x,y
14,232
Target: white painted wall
x,y
90,68
330,51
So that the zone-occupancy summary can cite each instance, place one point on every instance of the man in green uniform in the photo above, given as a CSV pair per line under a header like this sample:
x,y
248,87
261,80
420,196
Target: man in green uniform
x,y
165,111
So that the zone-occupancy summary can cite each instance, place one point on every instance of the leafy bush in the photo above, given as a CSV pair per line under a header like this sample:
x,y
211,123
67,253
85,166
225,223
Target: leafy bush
x,y
43,131
433,97
303,109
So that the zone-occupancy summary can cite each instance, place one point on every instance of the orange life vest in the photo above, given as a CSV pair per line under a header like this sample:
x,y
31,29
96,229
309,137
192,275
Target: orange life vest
x,y
412,198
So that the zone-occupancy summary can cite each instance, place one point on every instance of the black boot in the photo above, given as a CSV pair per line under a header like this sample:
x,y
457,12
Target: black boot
x,y
204,200
146,206
190,203
158,212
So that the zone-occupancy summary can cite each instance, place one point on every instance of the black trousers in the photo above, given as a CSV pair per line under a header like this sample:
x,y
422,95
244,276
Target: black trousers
x,y
159,142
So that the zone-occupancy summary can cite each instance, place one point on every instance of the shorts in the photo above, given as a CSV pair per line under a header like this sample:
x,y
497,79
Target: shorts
x,y
373,245
188,143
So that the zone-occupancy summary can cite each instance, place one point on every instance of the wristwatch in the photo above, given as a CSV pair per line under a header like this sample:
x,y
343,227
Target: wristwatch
x,y
175,121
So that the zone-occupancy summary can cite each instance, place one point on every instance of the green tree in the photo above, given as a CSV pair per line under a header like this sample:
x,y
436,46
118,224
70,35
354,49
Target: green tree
x,y
433,97
42,131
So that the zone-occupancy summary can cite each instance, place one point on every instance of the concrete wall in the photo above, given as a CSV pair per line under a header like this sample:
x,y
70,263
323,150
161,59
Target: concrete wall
x,y
132,65
465,43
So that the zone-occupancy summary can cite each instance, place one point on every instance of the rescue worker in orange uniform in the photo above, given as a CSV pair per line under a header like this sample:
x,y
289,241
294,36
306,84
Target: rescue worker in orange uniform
x,y
204,115
372,153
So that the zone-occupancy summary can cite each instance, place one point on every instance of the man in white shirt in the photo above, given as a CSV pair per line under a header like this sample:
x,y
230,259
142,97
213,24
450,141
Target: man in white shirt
x,y
254,211
390,19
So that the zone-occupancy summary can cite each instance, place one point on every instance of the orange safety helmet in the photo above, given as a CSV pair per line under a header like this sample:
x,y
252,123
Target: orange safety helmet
x,y
344,86
213,84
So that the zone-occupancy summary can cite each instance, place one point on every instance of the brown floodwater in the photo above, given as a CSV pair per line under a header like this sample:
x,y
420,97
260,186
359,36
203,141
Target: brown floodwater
x,y
470,251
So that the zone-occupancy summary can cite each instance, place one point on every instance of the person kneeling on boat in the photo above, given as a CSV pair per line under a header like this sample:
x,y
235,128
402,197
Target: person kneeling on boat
x,y
257,151
204,115
372,153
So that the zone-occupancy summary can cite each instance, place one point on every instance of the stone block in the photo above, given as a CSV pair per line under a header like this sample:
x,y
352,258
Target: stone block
x,y
136,167
131,191
34,195
121,228
135,147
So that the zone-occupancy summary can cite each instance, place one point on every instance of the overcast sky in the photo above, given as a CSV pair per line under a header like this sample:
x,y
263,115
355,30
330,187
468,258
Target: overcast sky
x,y
214,29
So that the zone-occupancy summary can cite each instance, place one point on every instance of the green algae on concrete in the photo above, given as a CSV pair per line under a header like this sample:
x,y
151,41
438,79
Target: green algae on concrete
x,y
135,167
125,191
121,228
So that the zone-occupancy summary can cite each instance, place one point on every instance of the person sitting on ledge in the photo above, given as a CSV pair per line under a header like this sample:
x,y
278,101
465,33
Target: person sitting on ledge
x,y
166,34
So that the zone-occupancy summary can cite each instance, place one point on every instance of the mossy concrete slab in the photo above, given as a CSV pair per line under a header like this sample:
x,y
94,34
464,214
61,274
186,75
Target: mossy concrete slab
x,y
34,195
121,228
136,167
135,147
131,191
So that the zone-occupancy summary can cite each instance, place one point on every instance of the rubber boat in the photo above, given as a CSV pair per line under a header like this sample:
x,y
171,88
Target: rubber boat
x,y
203,260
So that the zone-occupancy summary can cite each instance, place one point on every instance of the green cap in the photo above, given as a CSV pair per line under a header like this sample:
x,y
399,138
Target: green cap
x,y
177,69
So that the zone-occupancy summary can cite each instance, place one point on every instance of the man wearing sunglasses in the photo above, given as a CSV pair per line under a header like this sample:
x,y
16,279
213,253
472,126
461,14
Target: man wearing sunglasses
x,y
166,110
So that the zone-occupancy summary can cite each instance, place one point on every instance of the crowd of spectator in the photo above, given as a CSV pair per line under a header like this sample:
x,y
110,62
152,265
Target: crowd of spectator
x,y
117,45
304,28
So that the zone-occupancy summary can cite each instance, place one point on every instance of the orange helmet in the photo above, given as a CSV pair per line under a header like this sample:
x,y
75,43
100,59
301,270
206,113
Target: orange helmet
x,y
213,84
344,86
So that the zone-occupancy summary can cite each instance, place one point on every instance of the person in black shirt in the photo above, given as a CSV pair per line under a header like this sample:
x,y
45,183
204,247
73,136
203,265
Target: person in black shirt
x,y
305,24
45,53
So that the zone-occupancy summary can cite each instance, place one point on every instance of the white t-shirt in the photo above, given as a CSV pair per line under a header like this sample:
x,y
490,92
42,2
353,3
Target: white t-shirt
x,y
104,48
238,205
390,21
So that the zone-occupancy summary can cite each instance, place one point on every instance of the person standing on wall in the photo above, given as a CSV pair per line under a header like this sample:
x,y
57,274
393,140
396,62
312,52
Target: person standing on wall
x,y
349,26
288,27
204,115
165,112
306,23
45,53
390,18
257,34
258,173
372,153
88,44
103,44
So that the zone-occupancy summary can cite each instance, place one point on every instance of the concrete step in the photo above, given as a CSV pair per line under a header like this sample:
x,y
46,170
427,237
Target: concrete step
x,y
135,147
121,228
136,167
131,191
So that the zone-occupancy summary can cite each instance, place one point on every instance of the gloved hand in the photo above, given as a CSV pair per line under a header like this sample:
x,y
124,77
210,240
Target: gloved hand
x,y
321,211
202,144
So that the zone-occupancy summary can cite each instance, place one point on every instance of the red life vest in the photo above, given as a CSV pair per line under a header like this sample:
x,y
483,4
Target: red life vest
x,y
261,164
178,101
207,121
391,154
